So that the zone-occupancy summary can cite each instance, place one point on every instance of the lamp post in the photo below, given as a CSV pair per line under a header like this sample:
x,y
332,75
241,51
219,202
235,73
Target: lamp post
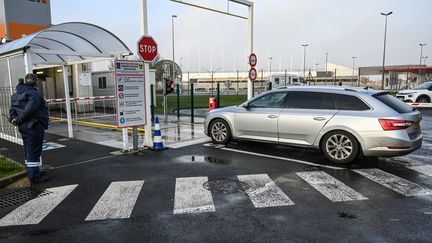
x,y
424,60
385,38
212,73
172,29
270,62
421,52
304,59
326,54
353,71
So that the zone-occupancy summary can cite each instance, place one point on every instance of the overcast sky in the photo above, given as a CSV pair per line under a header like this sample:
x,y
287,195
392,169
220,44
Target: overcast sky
x,y
206,40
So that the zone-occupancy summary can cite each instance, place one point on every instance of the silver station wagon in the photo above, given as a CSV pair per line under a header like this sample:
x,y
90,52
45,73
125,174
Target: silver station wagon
x,y
341,122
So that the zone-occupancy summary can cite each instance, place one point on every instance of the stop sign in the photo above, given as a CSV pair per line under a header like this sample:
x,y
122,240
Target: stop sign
x,y
147,48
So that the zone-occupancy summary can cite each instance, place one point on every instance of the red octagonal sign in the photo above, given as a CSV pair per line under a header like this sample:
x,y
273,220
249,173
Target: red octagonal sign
x,y
147,48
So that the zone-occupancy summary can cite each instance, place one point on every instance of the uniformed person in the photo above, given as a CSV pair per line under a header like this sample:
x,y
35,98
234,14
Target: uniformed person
x,y
30,114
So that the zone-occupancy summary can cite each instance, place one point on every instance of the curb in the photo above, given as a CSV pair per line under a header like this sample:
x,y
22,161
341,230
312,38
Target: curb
x,y
11,179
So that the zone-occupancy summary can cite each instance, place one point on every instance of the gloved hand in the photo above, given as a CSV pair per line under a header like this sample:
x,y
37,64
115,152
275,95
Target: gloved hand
x,y
13,121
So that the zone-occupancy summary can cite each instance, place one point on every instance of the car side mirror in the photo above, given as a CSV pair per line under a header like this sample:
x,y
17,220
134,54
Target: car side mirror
x,y
247,106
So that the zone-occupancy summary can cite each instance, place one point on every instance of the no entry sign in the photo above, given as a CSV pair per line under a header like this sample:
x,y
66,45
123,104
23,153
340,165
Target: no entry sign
x,y
147,48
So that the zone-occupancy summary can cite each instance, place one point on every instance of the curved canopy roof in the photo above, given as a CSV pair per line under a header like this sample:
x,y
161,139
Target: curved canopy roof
x,y
68,43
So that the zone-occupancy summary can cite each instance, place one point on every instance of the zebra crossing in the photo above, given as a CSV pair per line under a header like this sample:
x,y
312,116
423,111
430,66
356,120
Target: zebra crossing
x,y
190,196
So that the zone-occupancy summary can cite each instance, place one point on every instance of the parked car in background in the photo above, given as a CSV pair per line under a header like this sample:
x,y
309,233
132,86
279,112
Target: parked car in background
x,y
342,123
421,93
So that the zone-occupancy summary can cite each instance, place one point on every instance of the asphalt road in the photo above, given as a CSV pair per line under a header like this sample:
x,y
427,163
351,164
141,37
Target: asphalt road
x,y
245,192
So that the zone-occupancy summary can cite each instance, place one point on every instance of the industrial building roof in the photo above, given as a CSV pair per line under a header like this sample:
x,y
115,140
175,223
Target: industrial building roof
x,y
68,43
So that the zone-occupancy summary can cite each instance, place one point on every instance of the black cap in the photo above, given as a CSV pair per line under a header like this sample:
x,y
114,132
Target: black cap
x,y
31,79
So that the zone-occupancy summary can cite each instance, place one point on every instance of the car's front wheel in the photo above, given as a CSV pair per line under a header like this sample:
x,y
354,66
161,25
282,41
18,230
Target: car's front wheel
x,y
340,147
423,99
220,132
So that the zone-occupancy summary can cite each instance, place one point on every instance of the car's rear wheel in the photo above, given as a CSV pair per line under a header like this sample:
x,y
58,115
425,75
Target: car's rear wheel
x,y
340,147
220,131
423,99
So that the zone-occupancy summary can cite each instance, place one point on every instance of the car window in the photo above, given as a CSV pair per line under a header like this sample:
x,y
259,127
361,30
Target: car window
x,y
272,100
393,103
351,103
311,100
423,86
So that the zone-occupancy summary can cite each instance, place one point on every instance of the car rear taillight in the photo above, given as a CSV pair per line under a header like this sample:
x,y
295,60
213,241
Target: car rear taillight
x,y
390,124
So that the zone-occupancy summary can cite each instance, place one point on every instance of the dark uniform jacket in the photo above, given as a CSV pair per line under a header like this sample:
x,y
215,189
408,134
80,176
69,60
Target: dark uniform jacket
x,y
27,104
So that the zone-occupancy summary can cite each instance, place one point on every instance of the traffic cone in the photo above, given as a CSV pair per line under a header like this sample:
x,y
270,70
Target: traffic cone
x,y
157,140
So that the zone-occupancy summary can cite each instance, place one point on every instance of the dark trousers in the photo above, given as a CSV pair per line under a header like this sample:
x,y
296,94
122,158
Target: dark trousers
x,y
33,141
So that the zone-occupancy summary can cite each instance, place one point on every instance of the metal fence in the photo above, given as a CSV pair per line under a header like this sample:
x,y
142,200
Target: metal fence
x,y
10,141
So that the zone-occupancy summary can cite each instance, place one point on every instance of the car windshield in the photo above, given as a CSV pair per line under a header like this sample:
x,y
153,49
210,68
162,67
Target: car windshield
x,y
423,86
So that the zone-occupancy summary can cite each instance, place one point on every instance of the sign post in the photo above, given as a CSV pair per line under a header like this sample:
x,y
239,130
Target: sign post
x,y
147,50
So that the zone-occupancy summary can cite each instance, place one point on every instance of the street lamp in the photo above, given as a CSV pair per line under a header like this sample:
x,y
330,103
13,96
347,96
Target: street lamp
x,y
353,71
421,52
172,29
424,60
270,62
304,59
212,73
326,54
385,38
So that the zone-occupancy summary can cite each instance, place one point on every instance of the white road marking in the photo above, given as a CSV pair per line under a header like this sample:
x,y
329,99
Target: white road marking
x,y
394,183
35,210
191,197
117,202
283,158
263,192
188,143
330,187
424,169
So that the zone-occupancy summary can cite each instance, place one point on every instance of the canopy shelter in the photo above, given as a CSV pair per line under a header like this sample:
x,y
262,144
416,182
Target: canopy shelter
x,y
58,45
66,44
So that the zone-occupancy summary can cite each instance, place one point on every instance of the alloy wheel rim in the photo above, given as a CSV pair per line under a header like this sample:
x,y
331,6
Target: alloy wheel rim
x,y
219,131
339,146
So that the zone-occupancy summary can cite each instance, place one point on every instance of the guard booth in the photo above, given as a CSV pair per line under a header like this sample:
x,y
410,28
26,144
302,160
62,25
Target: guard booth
x,y
59,55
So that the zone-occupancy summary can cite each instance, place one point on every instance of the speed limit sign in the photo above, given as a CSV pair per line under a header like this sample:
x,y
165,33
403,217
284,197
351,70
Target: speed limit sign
x,y
252,74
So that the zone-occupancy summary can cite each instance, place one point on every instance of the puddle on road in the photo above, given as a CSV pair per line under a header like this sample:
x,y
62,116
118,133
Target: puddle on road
x,y
224,185
346,215
201,159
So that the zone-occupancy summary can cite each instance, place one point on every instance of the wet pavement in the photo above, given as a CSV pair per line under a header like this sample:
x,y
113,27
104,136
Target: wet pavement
x,y
243,192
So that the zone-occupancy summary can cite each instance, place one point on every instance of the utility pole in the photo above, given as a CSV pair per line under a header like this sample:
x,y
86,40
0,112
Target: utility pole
x,y
304,59
353,71
384,50
421,52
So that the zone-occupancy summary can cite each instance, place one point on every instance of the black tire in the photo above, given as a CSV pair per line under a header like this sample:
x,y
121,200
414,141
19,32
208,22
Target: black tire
x,y
423,99
220,132
340,147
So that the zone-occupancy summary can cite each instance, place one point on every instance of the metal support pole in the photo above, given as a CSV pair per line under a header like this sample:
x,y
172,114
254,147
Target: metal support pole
x,y
152,106
250,34
253,89
125,139
135,138
237,81
384,50
285,77
218,95
148,141
192,102
178,100
270,86
68,102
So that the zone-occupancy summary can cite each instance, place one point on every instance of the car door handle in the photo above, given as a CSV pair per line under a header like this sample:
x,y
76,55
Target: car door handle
x,y
319,118
272,116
